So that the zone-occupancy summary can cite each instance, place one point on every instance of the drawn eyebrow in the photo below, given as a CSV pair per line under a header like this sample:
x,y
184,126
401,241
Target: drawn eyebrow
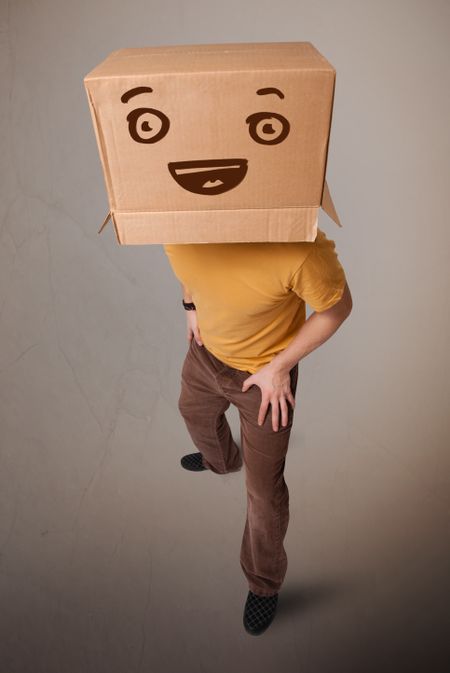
x,y
270,89
135,92
147,89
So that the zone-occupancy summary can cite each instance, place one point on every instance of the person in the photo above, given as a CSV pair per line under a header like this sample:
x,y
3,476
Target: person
x,y
247,331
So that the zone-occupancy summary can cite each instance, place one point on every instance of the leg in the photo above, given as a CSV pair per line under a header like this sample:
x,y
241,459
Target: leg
x,y
203,407
263,556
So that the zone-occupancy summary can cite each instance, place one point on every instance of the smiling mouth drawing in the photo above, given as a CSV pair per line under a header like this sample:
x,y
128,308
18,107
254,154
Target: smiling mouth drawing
x,y
213,176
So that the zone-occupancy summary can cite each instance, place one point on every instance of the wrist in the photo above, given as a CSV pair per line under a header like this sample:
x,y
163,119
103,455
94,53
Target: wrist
x,y
279,364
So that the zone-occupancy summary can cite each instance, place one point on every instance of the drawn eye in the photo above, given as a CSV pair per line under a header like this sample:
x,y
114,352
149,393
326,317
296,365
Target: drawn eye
x,y
147,125
268,128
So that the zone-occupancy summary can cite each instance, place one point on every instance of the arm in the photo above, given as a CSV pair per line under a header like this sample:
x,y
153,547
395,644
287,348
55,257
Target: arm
x,y
274,378
191,318
317,329
187,296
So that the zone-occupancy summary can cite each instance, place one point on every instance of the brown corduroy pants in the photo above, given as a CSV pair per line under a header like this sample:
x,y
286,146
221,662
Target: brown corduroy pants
x,y
208,387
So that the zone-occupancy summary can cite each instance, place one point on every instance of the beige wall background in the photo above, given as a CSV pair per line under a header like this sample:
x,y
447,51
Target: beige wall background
x,y
112,557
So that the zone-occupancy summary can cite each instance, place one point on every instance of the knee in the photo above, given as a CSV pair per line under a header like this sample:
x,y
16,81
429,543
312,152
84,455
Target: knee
x,y
266,485
182,405
188,406
260,505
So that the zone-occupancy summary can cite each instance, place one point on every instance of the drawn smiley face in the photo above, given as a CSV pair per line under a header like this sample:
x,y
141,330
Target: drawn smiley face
x,y
205,176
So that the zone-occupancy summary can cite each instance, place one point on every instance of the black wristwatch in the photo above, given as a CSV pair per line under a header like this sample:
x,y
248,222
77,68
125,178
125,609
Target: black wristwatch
x,y
189,306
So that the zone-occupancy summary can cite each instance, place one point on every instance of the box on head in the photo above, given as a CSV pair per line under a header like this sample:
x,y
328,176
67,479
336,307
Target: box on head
x,y
214,143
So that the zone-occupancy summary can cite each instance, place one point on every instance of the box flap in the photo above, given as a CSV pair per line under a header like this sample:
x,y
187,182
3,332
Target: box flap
x,y
328,206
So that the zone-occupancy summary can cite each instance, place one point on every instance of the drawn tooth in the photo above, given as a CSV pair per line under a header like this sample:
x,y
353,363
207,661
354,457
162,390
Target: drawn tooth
x,y
212,183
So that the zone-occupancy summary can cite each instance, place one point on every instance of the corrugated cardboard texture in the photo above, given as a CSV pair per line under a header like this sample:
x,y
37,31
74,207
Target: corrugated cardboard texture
x,y
214,143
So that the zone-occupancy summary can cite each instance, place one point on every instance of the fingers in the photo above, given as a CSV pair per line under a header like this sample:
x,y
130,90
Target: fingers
x,y
193,331
284,412
291,399
276,404
263,410
275,414
196,336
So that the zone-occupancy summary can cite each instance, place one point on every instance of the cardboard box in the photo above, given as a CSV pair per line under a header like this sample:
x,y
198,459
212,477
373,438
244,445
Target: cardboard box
x,y
214,142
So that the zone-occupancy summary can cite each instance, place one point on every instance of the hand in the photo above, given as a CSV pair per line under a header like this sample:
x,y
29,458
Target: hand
x,y
275,387
192,327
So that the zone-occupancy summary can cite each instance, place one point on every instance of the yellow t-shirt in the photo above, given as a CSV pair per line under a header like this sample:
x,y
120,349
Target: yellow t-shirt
x,y
250,297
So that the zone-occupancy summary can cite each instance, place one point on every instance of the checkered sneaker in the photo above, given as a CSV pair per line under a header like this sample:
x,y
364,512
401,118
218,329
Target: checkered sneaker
x,y
193,462
259,612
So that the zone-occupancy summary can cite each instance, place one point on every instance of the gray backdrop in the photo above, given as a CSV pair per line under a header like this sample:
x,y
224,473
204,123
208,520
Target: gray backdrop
x,y
113,558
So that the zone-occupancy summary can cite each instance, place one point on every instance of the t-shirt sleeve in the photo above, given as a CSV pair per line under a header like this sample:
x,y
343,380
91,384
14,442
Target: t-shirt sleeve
x,y
320,280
